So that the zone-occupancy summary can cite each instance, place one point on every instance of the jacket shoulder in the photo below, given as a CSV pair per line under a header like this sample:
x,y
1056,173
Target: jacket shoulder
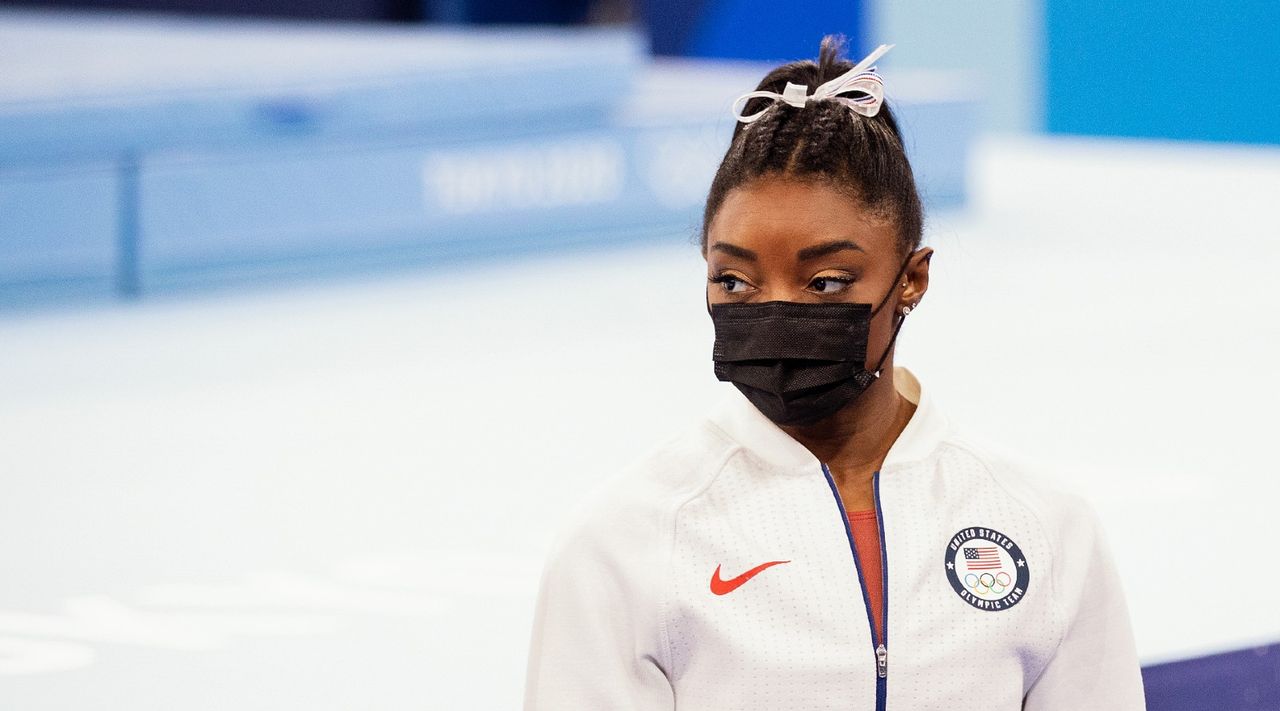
x,y
1067,518
1045,488
604,586
1095,657
635,503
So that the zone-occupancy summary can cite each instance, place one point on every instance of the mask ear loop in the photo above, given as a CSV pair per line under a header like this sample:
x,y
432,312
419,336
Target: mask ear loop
x,y
901,319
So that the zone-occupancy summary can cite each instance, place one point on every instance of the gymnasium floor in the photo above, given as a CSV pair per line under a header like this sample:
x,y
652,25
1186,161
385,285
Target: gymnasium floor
x,y
337,494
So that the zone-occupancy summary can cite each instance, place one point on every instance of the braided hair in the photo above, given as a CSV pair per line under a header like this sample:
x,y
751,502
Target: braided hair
x,y
824,142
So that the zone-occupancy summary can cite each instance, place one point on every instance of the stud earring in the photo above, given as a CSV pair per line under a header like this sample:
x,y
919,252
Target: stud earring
x,y
906,310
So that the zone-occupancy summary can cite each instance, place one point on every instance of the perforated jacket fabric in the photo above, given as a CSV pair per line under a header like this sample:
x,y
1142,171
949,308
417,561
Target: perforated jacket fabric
x,y
1000,593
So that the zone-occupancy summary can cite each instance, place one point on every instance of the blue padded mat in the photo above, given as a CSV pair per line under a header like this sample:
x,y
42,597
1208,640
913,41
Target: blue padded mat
x,y
88,83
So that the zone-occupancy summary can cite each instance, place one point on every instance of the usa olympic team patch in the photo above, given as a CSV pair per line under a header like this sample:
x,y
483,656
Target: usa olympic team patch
x,y
987,569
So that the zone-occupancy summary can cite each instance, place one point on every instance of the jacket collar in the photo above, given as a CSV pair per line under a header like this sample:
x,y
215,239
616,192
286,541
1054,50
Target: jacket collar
x,y
745,424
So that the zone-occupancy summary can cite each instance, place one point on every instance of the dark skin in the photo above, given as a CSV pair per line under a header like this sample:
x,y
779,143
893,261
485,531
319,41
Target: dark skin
x,y
775,218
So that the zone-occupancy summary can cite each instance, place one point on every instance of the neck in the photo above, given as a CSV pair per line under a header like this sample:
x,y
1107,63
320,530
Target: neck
x,y
855,439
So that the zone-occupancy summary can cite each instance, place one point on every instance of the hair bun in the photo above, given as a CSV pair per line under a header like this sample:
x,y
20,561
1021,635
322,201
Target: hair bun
x,y
831,62
851,141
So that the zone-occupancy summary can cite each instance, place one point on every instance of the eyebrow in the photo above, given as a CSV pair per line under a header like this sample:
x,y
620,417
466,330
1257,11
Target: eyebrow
x,y
822,250
813,252
734,250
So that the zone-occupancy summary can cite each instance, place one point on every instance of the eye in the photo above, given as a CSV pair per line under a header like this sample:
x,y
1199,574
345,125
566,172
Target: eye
x,y
728,282
837,284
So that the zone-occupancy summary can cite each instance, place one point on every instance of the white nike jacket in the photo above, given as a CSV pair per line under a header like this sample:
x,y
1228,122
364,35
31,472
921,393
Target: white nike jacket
x,y
1000,592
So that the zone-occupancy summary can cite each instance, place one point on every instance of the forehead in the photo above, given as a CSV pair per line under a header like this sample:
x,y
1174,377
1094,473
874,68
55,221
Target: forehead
x,y
777,217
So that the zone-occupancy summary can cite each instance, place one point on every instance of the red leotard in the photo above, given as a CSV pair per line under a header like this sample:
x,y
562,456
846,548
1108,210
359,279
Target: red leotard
x,y
866,539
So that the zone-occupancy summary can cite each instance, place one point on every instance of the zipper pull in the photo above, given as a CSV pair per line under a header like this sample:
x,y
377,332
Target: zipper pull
x,y
882,661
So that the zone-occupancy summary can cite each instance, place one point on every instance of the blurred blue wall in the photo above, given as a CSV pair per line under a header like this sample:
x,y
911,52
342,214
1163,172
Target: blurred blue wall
x,y
750,29
1182,69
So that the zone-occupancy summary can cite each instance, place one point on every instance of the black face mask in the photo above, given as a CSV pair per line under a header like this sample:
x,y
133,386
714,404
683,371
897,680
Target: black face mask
x,y
797,362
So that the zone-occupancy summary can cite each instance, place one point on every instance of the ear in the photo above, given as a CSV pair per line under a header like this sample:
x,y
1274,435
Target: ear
x,y
915,278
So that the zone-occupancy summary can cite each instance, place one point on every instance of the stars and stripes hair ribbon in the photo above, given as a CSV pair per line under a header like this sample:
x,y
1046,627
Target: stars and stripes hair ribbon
x,y
861,78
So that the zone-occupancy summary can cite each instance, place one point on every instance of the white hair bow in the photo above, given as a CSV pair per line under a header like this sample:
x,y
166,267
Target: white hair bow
x,y
862,77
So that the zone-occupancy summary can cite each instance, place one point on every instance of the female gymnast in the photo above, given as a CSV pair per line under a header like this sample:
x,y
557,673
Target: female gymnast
x,y
824,538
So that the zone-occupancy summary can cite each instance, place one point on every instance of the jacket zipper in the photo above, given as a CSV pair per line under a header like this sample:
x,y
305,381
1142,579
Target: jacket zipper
x,y
880,646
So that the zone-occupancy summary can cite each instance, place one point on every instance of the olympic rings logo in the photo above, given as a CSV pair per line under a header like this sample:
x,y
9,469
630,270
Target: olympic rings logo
x,y
988,584
986,569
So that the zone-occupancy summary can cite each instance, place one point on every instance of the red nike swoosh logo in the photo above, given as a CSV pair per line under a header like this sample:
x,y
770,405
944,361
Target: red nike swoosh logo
x,y
721,587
